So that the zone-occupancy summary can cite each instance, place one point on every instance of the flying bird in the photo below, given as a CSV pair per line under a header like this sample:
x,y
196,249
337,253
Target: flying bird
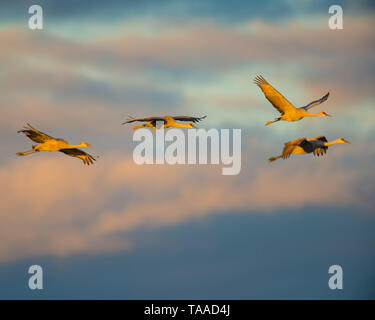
x,y
317,145
48,143
287,110
169,121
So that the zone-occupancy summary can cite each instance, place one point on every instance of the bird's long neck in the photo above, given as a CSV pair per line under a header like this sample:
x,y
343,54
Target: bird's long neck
x,y
327,144
182,125
309,114
81,145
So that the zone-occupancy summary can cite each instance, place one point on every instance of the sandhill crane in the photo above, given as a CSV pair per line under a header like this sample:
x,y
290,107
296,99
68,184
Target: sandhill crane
x,y
318,145
48,143
287,110
169,121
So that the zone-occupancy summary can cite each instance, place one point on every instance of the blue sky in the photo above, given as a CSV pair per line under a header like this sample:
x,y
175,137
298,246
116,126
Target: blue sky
x,y
249,256
118,230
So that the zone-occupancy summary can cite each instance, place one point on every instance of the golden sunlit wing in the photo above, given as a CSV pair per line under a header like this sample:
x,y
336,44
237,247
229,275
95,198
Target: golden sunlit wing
x,y
290,145
273,96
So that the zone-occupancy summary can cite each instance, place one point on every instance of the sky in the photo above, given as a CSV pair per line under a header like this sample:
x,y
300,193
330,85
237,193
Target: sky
x,y
118,230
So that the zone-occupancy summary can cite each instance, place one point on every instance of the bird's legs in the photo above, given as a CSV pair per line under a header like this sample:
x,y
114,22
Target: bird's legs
x,y
269,122
26,153
272,159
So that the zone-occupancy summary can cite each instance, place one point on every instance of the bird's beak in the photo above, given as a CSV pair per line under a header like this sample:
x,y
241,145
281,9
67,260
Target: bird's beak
x,y
346,141
193,126
327,115
89,145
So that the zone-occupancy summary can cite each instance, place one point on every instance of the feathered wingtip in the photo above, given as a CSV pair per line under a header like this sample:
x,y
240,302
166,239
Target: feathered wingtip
x,y
129,118
199,119
28,126
89,159
260,80
325,97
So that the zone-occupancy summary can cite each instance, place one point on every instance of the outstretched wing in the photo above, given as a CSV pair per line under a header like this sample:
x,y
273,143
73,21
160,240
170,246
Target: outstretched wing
x,y
321,138
153,123
147,119
316,102
320,151
290,145
35,134
85,157
273,96
319,147
187,118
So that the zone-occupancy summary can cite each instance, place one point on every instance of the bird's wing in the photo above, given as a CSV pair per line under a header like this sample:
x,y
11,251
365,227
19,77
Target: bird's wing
x,y
85,157
321,138
290,145
319,147
188,118
35,134
316,102
273,96
295,142
320,151
147,119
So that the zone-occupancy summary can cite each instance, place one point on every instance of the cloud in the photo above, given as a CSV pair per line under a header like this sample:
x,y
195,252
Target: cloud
x,y
53,205
204,44
139,67
205,67
218,10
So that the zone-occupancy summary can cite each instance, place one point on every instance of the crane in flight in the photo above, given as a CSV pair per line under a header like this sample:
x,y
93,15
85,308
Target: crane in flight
x,y
169,121
317,145
48,143
287,110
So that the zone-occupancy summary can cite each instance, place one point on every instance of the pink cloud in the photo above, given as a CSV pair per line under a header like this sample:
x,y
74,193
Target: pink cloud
x,y
53,205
